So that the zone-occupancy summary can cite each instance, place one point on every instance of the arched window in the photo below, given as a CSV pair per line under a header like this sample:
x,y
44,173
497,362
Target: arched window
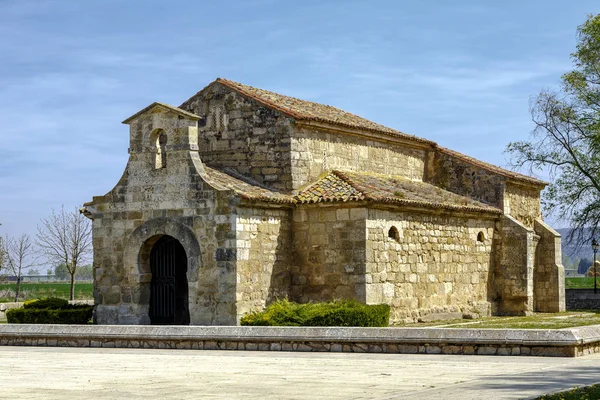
x,y
162,144
394,234
159,143
480,237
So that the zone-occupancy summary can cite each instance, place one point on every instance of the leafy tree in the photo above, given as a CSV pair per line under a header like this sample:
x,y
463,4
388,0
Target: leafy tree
x,y
85,272
33,271
566,138
584,265
66,238
61,272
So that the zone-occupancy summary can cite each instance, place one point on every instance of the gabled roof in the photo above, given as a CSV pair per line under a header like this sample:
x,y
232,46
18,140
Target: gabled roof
x,y
308,111
493,168
303,110
245,187
164,106
346,186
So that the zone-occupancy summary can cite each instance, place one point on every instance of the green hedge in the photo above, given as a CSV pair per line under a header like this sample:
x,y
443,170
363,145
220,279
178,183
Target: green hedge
x,y
50,311
48,302
336,313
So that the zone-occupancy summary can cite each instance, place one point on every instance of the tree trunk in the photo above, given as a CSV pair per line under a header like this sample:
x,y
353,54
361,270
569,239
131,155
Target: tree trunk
x,y
17,289
72,287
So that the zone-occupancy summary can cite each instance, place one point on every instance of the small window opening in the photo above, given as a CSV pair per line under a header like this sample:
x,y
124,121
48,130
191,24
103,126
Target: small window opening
x,y
394,234
480,237
159,141
162,144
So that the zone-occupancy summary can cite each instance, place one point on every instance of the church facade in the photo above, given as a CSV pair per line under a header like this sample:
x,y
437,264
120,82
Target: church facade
x,y
240,196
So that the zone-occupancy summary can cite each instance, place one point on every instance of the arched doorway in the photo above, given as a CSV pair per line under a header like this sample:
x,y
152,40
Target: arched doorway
x,y
168,287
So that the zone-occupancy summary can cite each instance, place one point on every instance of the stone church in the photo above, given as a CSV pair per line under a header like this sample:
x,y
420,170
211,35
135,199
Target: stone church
x,y
241,196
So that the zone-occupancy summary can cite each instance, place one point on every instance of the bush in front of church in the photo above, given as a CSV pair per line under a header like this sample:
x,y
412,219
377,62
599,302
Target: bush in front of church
x,y
335,313
50,311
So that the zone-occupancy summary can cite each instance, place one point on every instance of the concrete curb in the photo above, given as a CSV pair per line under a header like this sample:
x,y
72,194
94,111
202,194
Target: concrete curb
x,y
570,342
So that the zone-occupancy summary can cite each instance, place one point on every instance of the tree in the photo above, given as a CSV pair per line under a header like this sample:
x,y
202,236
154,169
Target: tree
x,y
66,238
566,139
2,253
584,265
19,256
85,273
61,272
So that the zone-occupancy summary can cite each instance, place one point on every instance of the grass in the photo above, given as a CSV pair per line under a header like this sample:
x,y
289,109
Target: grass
x,y
537,321
584,393
581,282
29,291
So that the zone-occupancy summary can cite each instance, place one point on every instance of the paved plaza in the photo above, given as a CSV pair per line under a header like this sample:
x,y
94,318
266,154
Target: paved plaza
x,y
97,373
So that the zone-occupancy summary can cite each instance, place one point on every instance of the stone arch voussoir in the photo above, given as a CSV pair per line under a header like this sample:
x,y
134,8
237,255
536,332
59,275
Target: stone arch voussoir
x,y
144,237
137,253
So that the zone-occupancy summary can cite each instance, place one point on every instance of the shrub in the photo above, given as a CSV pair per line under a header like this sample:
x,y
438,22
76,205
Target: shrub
x,y
48,302
74,315
50,310
336,313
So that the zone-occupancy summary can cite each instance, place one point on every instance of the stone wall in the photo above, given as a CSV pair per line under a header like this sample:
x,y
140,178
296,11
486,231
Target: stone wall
x,y
549,274
572,342
264,253
513,275
464,178
238,133
314,152
522,203
582,299
329,253
435,265
149,202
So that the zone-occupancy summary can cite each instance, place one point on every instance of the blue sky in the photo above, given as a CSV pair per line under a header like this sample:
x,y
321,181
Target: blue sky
x,y
457,72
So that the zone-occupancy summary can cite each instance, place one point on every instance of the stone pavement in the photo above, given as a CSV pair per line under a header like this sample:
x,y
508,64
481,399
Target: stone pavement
x,y
100,373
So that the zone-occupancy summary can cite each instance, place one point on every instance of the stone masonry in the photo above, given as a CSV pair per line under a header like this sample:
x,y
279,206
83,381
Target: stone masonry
x,y
264,196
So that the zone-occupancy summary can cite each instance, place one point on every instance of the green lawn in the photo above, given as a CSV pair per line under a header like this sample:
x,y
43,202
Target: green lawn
x,y
83,291
581,282
584,393
562,320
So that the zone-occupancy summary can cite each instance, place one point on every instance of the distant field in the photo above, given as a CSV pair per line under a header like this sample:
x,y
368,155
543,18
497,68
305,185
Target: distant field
x,y
28,291
581,282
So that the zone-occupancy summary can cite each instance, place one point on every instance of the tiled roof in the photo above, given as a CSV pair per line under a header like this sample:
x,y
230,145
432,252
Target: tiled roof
x,y
329,188
353,186
245,187
308,111
303,110
338,186
492,168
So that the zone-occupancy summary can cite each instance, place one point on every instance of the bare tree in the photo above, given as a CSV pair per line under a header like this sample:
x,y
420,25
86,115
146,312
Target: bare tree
x,y
2,253
19,256
65,238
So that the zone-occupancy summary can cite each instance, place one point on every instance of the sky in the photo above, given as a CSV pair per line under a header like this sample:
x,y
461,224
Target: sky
x,y
460,73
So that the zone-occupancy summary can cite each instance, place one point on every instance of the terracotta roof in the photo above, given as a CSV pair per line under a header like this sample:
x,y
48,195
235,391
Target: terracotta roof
x,y
492,168
338,186
353,186
329,188
303,110
245,187
165,106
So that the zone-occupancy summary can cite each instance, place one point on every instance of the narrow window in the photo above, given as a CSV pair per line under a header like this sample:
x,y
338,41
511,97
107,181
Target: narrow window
x,y
480,237
162,143
394,234
159,145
